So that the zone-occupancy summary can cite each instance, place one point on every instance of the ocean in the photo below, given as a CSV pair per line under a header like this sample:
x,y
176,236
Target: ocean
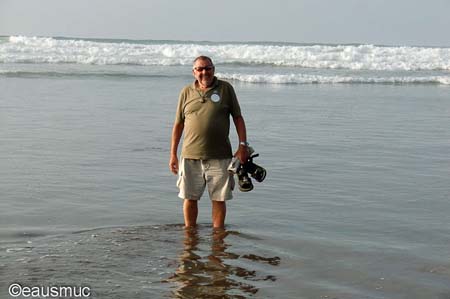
x,y
355,140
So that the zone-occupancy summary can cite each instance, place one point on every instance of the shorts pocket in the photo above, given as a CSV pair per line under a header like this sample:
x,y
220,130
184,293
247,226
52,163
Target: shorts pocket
x,y
232,182
180,178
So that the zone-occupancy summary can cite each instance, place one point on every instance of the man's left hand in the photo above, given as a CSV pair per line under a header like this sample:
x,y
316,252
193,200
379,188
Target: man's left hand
x,y
242,154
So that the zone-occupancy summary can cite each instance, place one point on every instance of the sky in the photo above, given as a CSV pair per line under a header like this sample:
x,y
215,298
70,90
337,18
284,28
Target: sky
x,y
380,22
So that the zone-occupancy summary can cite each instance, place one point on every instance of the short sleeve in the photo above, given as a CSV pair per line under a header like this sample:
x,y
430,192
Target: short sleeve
x,y
179,116
235,108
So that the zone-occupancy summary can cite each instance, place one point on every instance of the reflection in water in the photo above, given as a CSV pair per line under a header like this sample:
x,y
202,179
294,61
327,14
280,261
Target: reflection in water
x,y
209,276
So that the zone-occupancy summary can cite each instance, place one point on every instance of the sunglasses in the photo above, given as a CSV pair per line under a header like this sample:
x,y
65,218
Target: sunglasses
x,y
204,68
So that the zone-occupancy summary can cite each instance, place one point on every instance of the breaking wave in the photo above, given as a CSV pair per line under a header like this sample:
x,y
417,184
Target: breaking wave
x,y
46,50
310,79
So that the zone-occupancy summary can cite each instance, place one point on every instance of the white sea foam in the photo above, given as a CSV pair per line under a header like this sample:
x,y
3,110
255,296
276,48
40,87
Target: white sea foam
x,y
249,78
20,49
308,79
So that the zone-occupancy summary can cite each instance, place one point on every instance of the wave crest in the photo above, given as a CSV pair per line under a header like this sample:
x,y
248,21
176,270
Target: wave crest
x,y
319,79
21,49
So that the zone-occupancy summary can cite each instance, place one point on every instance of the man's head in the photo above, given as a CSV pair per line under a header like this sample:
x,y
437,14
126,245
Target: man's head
x,y
203,71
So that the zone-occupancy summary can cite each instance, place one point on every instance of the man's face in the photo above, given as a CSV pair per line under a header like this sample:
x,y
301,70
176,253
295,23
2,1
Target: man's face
x,y
204,72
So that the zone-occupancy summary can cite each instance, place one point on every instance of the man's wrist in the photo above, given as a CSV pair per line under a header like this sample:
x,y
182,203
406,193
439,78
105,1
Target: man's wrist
x,y
244,143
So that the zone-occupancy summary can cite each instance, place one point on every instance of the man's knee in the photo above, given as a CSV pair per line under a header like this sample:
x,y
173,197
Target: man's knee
x,y
190,202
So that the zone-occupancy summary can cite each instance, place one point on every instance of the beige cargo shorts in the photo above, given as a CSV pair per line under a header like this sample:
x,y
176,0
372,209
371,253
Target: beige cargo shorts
x,y
195,175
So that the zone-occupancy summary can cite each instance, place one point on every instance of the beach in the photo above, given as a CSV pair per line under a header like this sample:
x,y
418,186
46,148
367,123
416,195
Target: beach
x,y
357,152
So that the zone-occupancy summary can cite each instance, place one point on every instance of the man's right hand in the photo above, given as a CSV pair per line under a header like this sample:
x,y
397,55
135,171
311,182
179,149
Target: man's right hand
x,y
173,164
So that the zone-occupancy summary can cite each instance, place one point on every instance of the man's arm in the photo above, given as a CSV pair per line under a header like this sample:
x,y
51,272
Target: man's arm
x,y
177,131
242,152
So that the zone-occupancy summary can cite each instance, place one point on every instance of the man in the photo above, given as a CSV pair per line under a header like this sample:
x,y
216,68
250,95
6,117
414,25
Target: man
x,y
203,114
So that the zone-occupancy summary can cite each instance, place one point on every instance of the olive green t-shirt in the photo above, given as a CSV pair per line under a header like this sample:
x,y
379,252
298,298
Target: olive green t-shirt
x,y
206,118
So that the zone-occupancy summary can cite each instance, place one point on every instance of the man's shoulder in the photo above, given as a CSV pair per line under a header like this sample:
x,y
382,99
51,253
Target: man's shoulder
x,y
225,86
224,83
186,90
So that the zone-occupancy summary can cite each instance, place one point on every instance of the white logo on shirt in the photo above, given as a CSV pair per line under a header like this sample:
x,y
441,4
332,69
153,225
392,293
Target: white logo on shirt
x,y
215,97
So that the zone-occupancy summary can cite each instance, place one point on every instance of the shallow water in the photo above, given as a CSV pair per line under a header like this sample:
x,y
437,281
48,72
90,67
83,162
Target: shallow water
x,y
355,204
147,261
170,262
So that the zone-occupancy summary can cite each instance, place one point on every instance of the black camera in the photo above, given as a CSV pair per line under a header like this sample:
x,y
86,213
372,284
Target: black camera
x,y
244,170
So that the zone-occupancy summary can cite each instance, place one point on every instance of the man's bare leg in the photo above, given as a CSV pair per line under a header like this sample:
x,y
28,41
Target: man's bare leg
x,y
219,211
190,211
